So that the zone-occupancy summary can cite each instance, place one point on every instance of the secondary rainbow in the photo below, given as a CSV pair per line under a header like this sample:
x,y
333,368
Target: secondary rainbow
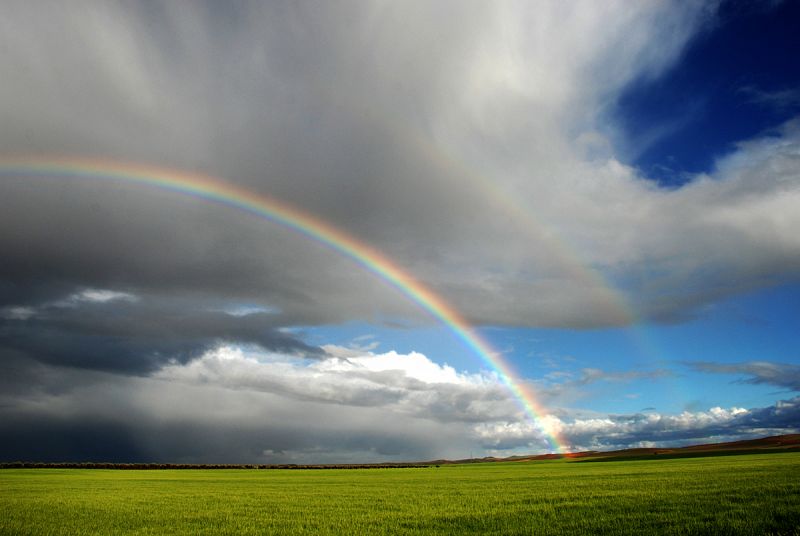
x,y
619,311
276,211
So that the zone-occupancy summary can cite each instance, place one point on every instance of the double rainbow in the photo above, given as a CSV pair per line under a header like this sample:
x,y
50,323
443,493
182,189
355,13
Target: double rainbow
x,y
270,209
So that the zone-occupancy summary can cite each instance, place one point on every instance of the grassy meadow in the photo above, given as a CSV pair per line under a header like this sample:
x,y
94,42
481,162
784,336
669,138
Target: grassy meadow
x,y
748,494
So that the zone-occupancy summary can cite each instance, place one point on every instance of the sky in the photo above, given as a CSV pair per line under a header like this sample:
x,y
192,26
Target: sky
x,y
298,232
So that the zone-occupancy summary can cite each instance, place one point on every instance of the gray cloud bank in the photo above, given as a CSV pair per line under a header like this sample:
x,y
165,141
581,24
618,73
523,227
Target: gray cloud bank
x,y
132,335
477,153
238,405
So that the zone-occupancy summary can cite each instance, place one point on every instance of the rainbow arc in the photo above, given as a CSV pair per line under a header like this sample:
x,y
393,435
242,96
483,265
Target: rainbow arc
x,y
223,193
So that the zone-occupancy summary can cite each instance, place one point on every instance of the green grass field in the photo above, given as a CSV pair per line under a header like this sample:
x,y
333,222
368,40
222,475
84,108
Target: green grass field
x,y
750,494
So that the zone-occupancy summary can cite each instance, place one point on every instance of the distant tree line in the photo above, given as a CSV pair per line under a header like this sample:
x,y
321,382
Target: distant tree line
x,y
141,466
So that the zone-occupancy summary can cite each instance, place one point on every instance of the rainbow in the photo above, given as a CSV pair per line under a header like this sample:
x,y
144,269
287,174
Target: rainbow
x,y
267,208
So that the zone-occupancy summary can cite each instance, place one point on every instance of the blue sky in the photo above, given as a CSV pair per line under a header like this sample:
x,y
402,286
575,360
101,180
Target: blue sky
x,y
758,326
608,194
736,79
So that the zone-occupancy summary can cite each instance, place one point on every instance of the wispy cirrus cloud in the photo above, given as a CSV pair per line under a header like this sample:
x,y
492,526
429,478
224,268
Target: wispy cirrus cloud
x,y
781,99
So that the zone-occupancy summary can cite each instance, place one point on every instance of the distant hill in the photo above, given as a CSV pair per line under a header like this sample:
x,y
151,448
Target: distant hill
x,y
782,443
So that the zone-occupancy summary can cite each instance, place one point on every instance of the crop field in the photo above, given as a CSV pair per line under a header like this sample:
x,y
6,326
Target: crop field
x,y
747,494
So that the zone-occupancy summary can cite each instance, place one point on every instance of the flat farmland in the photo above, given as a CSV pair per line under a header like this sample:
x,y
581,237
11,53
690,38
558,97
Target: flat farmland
x,y
745,494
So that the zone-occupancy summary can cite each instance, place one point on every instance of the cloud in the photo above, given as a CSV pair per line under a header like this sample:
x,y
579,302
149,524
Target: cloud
x,y
239,405
611,432
404,384
592,375
475,154
116,331
782,99
95,295
233,405
562,388
783,375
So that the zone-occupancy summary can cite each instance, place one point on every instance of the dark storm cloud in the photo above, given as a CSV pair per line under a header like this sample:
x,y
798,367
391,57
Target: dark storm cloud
x,y
413,135
58,235
56,440
47,439
125,418
135,336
